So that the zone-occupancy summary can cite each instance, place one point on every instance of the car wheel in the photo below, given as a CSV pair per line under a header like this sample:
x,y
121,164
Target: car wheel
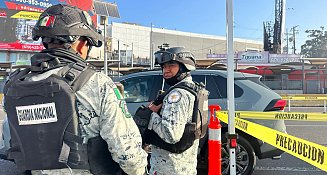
x,y
245,157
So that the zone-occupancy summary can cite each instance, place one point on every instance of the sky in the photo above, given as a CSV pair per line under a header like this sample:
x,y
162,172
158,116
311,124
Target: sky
x,y
209,16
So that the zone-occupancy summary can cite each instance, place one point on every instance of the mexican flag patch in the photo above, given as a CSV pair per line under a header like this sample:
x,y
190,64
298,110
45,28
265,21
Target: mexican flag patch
x,y
47,21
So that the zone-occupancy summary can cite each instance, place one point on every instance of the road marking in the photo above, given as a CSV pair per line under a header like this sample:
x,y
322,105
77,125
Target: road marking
x,y
261,168
307,151
308,125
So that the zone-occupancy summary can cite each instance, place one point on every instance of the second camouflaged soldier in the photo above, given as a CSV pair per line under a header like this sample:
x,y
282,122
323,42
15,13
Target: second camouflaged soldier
x,y
175,127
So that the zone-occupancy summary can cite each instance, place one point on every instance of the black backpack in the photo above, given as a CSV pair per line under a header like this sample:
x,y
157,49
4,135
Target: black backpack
x,y
39,110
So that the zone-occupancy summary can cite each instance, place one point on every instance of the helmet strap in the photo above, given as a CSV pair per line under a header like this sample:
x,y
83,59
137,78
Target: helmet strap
x,y
88,52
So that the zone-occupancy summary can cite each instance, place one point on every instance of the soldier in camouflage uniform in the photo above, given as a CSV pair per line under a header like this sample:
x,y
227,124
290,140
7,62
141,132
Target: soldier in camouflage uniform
x,y
168,120
101,108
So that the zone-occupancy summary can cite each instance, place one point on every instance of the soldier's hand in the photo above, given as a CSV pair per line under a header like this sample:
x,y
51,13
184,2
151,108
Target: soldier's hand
x,y
155,108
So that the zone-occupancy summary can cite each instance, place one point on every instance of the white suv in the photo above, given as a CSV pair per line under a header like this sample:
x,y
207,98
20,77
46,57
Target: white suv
x,y
250,95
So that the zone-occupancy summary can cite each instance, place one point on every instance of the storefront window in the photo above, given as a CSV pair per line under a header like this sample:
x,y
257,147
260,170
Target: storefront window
x,y
3,57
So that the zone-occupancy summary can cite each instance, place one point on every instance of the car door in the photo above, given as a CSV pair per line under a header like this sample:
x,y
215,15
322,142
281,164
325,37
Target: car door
x,y
217,86
140,90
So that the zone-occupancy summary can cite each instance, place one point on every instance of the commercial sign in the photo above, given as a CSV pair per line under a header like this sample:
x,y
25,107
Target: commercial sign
x,y
253,57
18,17
284,58
224,55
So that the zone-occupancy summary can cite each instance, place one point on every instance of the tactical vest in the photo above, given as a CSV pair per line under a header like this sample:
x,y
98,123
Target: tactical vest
x,y
194,130
44,124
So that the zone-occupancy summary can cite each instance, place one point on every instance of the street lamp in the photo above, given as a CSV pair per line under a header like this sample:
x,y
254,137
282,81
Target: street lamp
x,y
105,10
104,21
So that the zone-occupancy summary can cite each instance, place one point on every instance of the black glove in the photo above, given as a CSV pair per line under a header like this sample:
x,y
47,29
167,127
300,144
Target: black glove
x,y
158,100
142,118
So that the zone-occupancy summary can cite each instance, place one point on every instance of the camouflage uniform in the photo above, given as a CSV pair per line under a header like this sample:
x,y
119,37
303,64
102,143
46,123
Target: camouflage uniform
x,y
177,110
102,111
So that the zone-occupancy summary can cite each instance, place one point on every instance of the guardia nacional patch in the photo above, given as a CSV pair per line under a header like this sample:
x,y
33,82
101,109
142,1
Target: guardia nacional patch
x,y
174,97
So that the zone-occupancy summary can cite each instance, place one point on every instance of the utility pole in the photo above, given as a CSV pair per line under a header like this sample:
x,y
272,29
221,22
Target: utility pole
x,y
119,59
294,31
287,40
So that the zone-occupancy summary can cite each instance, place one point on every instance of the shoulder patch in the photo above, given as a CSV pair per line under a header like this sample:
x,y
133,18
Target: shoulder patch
x,y
123,107
174,97
117,93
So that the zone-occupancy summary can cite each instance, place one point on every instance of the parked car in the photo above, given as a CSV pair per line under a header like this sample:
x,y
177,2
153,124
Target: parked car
x,y
250,95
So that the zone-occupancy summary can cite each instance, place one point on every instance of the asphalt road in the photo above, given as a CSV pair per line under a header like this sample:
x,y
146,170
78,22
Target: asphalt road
x,y
287,165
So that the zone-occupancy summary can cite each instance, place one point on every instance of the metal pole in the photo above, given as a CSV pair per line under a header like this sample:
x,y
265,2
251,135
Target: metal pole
x,y
118,60
303,76
294,32
318,77
132,55
230,83
324,106
126,53
151,49
287,41
105,61
289,105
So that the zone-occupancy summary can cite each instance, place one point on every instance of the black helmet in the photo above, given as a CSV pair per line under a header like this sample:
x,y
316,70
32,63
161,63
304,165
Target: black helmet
x,y
179,54
66,23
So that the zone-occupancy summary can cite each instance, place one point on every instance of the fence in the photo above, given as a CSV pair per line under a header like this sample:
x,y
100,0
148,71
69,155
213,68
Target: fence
x,y
313,84
305,100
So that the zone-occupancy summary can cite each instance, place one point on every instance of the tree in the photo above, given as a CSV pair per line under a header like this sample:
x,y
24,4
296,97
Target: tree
x,y
316,46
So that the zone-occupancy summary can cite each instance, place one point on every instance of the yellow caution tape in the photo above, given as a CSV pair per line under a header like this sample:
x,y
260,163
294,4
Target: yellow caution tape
x,y
27,15
304,98
307,151
297,116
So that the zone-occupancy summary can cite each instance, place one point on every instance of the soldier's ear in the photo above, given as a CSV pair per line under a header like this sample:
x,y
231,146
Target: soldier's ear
x,y
80,46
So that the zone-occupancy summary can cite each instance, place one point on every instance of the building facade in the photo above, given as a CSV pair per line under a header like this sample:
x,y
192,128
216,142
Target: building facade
x,y
141,42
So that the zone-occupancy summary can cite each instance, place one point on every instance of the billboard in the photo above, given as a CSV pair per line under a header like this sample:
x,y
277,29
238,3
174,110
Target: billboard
x,y
18,17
